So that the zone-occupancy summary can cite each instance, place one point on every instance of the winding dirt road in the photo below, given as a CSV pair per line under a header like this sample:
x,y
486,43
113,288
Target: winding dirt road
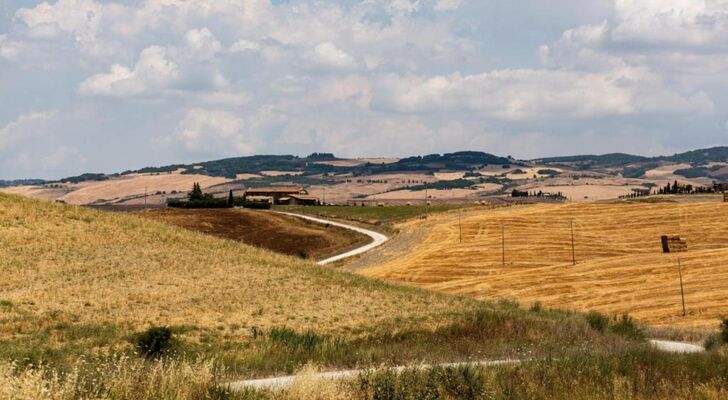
x,y
283,382
377,238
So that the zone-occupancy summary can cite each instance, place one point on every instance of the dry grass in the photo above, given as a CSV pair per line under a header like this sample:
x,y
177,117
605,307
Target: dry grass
x,y
65,267
621,268
122,379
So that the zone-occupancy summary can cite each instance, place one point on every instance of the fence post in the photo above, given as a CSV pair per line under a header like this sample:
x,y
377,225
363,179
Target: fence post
x,y
573,249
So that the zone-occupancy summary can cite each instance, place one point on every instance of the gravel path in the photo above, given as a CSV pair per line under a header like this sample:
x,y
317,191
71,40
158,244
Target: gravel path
x,y
283,382
377,238
676,347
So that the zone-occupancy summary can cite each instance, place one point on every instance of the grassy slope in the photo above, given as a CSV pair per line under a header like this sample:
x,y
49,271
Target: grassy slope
x,y
78,282
67,266
620,266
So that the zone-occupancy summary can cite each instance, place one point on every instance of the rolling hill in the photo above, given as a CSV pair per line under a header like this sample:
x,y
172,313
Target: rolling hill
x,y
619,267
81,283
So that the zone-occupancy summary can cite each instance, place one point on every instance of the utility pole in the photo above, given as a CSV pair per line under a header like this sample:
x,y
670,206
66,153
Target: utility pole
x,y
145,197
573,250
427,202
324,195
682,288
460,222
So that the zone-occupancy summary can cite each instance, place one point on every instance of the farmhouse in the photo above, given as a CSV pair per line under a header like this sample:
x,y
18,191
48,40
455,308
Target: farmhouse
x,y
282,195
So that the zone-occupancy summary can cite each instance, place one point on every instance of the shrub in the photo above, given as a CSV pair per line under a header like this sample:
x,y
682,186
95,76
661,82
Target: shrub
x,y
712,342
627,328
724,330
536,307
467,383
597,321
155,342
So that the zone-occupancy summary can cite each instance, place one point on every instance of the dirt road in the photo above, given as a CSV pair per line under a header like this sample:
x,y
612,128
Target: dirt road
x,y
378,239
285,381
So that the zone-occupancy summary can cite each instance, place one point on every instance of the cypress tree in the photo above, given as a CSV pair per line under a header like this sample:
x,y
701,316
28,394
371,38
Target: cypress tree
x,y
231,200
196,193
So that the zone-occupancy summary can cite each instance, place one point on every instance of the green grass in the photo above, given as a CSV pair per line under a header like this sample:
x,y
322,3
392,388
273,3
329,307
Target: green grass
x,y
371,215
633,372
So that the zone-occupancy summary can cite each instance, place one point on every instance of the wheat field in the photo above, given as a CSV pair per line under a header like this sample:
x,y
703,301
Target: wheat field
x,y
68,265
620,267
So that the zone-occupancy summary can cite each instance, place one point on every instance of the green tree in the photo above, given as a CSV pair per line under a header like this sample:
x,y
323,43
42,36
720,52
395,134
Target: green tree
x,y
196,193
231,199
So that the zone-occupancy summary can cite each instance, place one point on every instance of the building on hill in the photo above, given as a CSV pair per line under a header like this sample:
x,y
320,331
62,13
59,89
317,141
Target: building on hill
x,y
282,195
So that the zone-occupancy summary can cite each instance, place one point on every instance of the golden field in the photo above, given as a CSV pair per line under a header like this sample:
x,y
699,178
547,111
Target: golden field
x,y
620,265
64,264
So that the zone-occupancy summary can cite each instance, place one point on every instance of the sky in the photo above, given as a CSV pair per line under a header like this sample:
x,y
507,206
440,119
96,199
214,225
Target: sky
x,y
106,86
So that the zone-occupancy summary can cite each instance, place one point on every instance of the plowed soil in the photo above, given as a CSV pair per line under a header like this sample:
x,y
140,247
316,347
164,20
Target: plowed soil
x,y
279,233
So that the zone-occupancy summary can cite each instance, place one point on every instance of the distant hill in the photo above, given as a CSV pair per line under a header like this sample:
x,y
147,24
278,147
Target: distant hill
x,y
713,154
21,182
605,160
316,164
633,166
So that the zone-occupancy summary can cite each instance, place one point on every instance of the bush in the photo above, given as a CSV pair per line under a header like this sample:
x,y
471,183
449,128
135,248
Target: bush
x,y
597,321
155,342
627,328
724,330
536,307
467,383
712,342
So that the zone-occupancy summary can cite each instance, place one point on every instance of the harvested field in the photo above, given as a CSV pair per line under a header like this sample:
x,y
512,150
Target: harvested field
x,y
279,233
81,281
620,266
437,194
587,193
80,284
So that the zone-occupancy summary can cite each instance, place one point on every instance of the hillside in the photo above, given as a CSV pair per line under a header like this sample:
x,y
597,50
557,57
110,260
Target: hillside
x,y
79,265
77,282
620,266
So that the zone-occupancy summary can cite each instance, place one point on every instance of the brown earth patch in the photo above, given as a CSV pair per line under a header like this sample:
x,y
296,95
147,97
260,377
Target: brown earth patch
x,y
279,233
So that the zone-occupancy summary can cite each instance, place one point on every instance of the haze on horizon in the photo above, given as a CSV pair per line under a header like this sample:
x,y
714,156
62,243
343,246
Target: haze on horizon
x,y
105,86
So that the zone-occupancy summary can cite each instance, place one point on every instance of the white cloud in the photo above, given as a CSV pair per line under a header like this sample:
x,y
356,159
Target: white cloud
x,y
676,22
202,43
244,45
533,94
9,50
23,126
79,18
232,76
447,5
204,131
328,54
153,71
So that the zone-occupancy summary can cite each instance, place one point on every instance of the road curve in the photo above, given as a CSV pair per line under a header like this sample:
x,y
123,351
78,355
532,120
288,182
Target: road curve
x,y
676,347
283,382
377,238
286,381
